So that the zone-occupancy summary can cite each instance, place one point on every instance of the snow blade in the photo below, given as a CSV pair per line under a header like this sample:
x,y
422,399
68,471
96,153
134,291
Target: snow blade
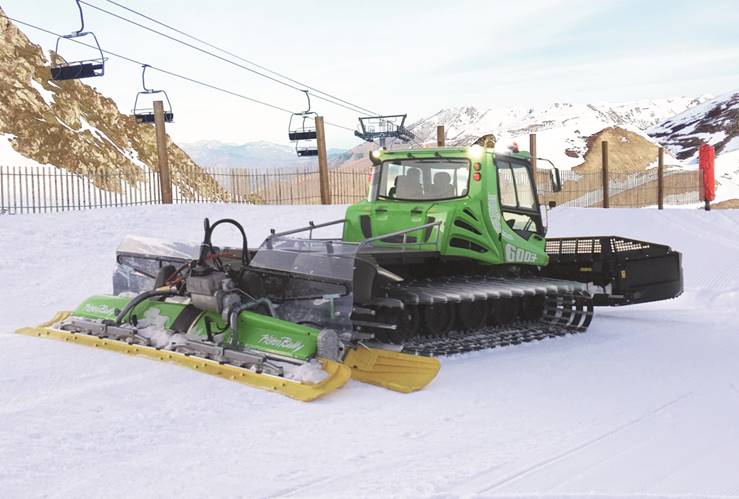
x,y
338,374
393,370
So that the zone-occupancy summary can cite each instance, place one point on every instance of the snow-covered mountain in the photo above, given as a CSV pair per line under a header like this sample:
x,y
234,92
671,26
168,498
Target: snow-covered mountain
x,y
71,126
259,155
570,134
562,128
714,122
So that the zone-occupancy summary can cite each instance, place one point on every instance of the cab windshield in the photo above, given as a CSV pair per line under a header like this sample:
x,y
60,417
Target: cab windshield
x,y
424,179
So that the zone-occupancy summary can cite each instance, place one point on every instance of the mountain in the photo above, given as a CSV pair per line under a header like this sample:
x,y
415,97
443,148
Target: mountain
x,y
714,122
70,125
562,128
260,155
570,134
565,131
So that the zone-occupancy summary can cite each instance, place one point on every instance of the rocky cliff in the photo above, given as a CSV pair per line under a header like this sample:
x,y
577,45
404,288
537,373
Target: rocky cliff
x,y
714,122
70,125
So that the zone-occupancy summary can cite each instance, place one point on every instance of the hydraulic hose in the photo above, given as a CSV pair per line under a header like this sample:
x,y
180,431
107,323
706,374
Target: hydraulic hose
x,y
136,301
207,245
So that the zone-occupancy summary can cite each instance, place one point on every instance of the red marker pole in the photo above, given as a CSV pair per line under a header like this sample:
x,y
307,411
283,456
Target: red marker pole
x,y
707,159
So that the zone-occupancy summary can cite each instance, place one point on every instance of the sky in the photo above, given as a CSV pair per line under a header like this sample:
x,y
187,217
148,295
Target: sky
x,y
394,57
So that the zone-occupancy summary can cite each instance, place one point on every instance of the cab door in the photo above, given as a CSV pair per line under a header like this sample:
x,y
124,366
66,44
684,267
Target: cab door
x,y
518,199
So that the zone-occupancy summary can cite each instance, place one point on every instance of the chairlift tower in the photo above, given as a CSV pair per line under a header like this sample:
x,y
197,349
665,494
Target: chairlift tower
x,y
381,128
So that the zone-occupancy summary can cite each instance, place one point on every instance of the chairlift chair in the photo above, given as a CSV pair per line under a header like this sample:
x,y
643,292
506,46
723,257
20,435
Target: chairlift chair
x,y
300,130
306,151
146,115
76,70
383,127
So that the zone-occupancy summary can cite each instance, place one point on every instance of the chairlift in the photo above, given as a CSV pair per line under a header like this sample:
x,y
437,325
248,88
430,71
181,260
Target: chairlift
x,y
146,115
306,151
76,70
302,128
384,127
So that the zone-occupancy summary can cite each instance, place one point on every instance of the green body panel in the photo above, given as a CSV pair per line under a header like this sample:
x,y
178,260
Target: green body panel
x,y
106,307
480,209
256,331
267,334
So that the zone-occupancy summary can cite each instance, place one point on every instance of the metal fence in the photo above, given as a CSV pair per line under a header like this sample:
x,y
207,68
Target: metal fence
x,y
40,189
289,186
626,190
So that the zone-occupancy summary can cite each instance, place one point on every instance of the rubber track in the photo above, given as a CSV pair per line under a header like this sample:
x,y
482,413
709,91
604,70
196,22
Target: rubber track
x,y
568,309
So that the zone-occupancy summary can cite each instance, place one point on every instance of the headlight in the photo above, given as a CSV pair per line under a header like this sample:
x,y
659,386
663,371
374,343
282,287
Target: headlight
x,y
476,151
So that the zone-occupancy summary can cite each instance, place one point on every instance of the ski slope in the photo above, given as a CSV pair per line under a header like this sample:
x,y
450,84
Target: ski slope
x,y
645,403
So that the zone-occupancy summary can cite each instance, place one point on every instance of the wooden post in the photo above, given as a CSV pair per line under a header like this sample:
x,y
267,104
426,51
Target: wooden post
x,y
165,180
604,151
440,136
532,151
661,178
322,162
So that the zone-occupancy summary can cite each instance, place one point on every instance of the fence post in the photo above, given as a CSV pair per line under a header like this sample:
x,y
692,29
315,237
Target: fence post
x,y
165,180
532,152
604,152
661,178
322,162
440,136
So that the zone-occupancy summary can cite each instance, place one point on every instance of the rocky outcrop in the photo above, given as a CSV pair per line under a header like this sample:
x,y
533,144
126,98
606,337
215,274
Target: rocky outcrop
x,y
627,152
715,122
72,126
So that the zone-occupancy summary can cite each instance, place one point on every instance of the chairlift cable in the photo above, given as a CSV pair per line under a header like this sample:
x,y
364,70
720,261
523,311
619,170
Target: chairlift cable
x,y
176,75
199,49
200,40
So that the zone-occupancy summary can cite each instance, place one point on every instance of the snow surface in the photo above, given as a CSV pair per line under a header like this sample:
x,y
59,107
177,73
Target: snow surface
x,y
646,403
11,157
726,171
47,95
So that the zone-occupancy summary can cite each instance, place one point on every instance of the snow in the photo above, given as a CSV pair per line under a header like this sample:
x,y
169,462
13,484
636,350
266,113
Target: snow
x,y
731,145
643,404
559,126
47,95
11,157
152,327
311,372
696,113
726,170
128,153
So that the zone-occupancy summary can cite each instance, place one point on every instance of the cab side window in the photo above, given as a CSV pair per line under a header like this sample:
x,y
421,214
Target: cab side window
x,y
518,198
507,187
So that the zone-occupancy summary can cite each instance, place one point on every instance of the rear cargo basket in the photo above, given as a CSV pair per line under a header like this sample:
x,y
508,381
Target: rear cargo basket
x,y
627,270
